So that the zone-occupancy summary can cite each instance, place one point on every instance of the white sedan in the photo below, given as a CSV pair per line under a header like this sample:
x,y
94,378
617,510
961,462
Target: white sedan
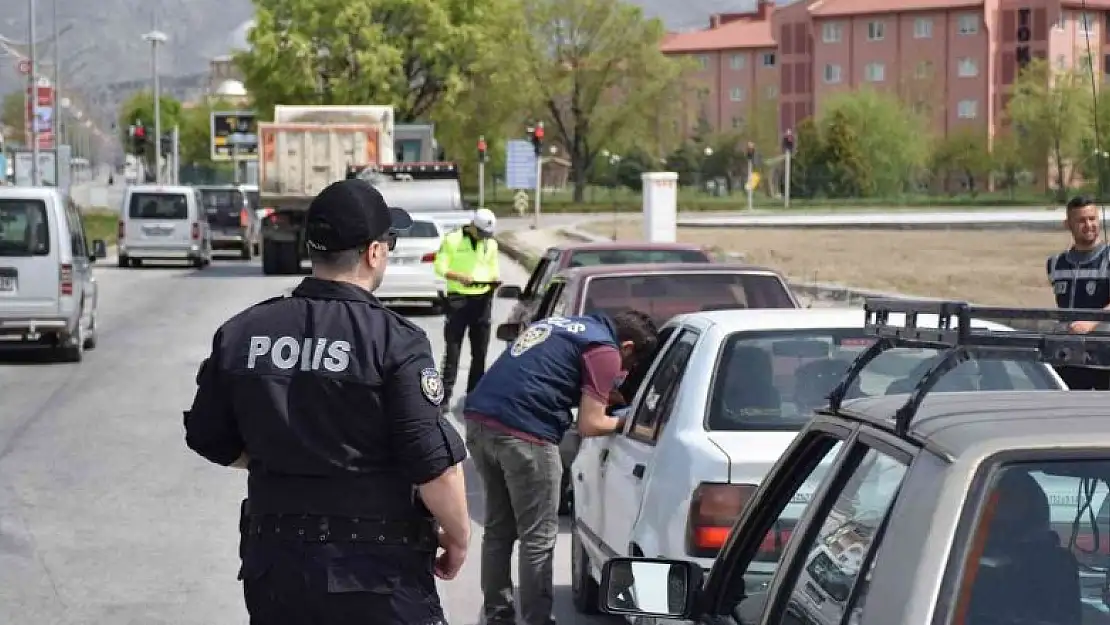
x,y
724,396
410,276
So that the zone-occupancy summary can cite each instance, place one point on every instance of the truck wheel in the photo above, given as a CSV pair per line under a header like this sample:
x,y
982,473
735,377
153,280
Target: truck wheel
x,y
291,261
583,588
246,252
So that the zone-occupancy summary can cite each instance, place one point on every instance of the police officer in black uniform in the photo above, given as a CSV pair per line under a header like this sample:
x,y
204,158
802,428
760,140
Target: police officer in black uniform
x,y
331,402
1080,278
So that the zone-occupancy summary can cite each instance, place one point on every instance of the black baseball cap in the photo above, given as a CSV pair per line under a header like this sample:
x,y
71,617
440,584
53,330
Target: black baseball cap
x,y
351,213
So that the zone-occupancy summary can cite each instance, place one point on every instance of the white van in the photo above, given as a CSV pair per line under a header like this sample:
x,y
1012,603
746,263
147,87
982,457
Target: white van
x,y
159,222
48,296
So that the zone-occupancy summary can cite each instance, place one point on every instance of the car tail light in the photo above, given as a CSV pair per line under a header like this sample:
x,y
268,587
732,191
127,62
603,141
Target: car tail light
x,y
714,508
430,257
65,279
121,230
244,218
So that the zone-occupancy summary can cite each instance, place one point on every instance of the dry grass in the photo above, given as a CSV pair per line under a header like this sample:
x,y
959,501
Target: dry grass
x,y
986,267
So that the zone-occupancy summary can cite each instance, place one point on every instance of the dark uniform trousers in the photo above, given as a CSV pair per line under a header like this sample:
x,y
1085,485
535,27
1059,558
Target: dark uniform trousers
x,y
466,315
311,578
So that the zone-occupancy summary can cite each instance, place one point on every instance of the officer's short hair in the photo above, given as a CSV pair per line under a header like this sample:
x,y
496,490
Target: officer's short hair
x,y
1080,201
344,261
638,327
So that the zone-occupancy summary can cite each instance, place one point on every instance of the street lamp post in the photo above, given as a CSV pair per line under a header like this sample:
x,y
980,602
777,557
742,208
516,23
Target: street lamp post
x,y
56,125
156,37
33,93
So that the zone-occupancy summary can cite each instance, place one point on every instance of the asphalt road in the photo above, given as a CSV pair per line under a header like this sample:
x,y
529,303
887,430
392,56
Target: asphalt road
x,y
105,515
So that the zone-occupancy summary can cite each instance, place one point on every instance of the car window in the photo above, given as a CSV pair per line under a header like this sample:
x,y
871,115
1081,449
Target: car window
x,y
659,394
665,295
254,199
166,206
1039,545
835,557
421,230
24,229
78,245
774,380
639,371
223,200
562,305
534,280
590,258
548,301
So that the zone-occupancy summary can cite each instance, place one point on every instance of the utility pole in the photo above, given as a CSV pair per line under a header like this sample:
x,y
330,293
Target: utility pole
x,y
56,126
33,95
788,150
482,171
536,133
156,37
751,169
175,173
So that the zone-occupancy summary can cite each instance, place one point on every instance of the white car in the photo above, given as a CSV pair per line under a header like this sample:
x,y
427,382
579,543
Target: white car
x,y
410,276
48,295
163,222
721,401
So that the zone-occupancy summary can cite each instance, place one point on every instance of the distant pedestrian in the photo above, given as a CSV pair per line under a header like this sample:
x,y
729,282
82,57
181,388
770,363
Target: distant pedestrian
x,y
1080,278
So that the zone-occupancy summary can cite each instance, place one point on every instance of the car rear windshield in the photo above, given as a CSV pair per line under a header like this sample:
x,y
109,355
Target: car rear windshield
x,y
158,206
24,230
421,230
635,257
775,380
665,295
225,200
253,198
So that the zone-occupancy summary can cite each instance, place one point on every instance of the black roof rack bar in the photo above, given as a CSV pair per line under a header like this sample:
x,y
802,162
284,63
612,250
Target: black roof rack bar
x,y
952,331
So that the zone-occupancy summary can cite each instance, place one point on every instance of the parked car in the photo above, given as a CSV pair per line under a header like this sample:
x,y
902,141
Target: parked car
x,y
48,294
233,218
159,222
724,397
558,258
662,290
953,507
411,276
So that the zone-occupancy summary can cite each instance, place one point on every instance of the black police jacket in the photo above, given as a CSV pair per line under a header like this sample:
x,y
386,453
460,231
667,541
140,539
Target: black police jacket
x,y
334,399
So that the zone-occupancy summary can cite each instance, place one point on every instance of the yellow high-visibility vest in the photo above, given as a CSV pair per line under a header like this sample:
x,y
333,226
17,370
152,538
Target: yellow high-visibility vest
x,y
458,255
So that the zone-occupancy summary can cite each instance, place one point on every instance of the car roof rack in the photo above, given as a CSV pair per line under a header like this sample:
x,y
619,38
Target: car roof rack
x,y
956,339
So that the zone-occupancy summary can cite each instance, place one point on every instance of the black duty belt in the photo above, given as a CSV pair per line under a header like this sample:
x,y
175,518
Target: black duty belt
x,y
323,529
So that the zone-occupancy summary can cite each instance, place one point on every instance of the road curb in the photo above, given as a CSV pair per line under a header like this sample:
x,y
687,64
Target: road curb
x,y
507,245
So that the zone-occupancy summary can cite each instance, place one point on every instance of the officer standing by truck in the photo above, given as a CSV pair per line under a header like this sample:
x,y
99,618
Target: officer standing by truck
x,y
516,417
468,260
331,402
1080,278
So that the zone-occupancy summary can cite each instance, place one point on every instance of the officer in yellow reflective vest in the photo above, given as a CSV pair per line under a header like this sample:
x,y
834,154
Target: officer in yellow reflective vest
x,y
468,261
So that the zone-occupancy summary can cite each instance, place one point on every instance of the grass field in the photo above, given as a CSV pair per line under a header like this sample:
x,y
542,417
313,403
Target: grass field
x,y
101,224
986,267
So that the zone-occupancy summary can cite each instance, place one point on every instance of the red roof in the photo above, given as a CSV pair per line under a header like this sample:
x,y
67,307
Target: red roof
x,y
742,33
839,8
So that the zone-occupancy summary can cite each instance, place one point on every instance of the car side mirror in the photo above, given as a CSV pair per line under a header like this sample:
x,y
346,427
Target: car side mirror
x,y
650,587
100,250
509,291
509,331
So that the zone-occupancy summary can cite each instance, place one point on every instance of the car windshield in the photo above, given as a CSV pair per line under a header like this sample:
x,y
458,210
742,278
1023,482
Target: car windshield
x,y
253,198
665,295
24,230
224,200
774,380
166,206
420,230
589,258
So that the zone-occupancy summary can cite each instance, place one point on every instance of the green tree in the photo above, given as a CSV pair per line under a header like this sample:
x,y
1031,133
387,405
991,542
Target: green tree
x,y
963,155
808,169
848,171
1051,112
1007,160
196,131
140,108
600,75
13,114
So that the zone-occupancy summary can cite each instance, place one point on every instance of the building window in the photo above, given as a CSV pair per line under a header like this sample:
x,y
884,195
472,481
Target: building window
x,y
969,24
876,31
736,94
875,72
703,60
1061,62
737,61
924,70
968,68
1085,23
831,32
768,59
1059,23
737,122
772,92
832,74
923,28
967,109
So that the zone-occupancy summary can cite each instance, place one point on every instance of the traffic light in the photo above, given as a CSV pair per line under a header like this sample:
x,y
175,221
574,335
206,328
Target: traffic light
x,y
167,143
482,149
536,134
788,141
137,133
750,152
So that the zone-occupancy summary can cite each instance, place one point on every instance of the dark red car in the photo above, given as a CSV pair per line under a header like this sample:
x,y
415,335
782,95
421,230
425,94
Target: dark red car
x,y
558,258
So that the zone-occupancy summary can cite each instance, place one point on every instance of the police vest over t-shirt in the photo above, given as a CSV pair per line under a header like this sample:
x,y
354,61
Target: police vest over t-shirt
x,y
548,350
1080,278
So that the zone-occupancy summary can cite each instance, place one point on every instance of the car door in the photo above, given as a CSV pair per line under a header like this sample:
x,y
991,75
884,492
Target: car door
x,y
82,264
525,308
830,540
625,468
547,303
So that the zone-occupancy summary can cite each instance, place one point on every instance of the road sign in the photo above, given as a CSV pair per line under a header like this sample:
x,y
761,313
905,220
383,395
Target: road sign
x,y
234,129
40,113
520,165
520,202
24,66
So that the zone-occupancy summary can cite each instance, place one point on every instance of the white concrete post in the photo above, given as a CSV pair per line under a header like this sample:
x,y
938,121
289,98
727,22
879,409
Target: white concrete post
x,y
660,206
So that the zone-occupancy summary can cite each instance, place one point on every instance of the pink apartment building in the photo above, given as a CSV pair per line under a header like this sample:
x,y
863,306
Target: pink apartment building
x,y
952,60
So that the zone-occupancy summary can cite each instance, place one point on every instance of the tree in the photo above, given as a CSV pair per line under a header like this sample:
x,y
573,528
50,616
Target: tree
x,y
1007,159
140,108
13,114
412,54
963,154
196,131
600,75
847,166
808,170
1051,113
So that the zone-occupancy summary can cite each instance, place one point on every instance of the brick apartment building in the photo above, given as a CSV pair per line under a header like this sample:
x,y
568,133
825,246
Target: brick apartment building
x,y
952,60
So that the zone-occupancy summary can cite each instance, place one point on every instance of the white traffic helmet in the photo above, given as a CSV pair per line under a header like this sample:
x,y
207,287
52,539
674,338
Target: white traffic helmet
x,y
485,221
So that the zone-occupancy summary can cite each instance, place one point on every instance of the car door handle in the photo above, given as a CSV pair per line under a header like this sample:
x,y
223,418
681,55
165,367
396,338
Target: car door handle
x,y
638,471
604,454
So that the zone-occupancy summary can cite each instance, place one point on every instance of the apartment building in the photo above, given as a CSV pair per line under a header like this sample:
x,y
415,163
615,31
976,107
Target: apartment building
x,y
953,61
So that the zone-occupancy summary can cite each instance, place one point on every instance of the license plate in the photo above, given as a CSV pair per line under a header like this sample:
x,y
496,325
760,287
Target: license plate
x,y
403,260
158,231
7,283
